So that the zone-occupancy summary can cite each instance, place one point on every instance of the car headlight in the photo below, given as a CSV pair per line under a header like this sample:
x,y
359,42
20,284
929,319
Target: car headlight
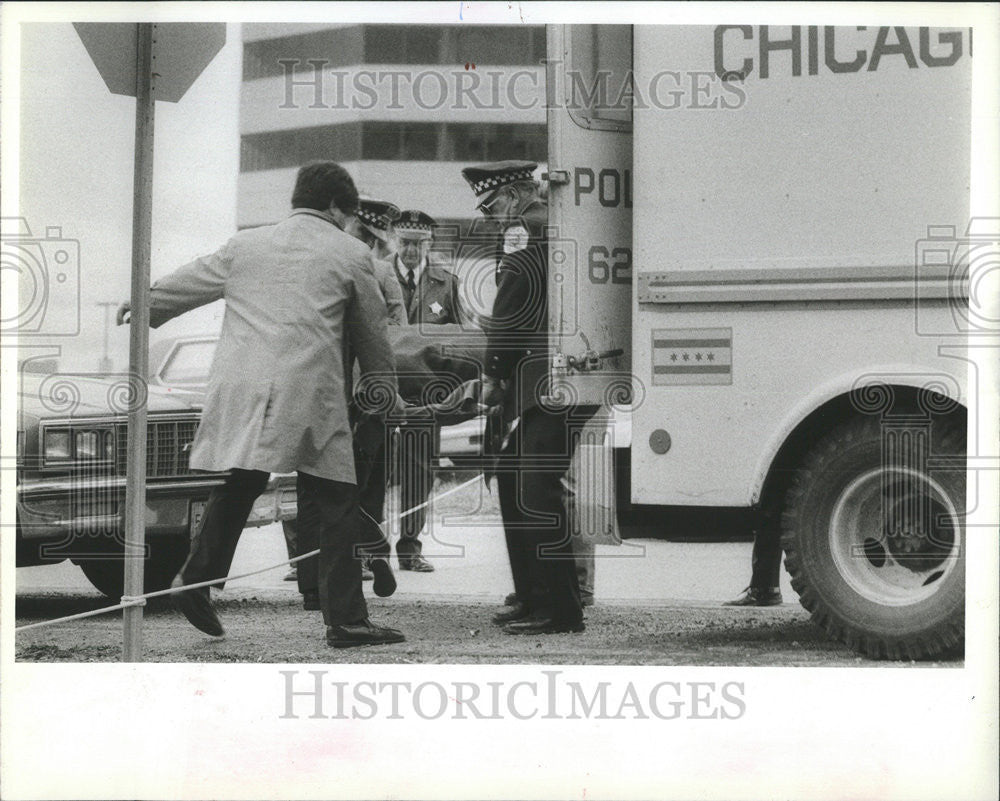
x,y
88,445
55,446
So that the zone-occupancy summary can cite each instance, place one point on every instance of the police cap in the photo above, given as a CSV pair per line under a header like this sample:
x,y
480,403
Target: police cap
x,y
485,178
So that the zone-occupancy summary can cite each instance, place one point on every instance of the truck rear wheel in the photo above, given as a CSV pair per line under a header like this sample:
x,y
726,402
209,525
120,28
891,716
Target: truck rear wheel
x,y
875,540
106,571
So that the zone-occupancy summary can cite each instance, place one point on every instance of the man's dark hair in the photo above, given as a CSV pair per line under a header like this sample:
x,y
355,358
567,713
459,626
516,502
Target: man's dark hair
x,y
324,182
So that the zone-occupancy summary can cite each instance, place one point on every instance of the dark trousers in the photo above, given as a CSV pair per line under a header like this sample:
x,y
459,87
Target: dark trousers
x,y
415,452
766,558
372,488
533,504
328,515
370,541
226,513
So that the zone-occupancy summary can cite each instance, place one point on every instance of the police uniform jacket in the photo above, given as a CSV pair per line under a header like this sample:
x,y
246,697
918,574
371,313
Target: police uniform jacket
x,y
392,292
435,299
517,328
276,398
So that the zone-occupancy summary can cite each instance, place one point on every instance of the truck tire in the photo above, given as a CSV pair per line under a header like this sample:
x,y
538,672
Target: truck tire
x,y
876,545
107,571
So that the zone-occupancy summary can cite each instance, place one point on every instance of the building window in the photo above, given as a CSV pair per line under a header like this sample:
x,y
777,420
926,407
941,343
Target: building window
x,y
337,47
282,149
393,141
492,142
501,45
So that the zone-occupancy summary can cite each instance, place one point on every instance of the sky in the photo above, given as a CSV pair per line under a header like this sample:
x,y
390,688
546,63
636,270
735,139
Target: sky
x,y
76,173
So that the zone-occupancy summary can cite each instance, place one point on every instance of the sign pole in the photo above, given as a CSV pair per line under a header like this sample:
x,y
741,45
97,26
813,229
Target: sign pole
x,y
138,360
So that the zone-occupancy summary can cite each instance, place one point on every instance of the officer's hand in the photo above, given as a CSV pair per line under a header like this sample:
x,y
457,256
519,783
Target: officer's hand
x,y
492,391
124,314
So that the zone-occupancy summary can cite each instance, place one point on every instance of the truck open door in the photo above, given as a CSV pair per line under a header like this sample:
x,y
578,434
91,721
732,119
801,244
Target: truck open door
x,y
590,211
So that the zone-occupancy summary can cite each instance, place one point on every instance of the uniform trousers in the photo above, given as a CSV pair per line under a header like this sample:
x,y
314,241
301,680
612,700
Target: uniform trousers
x,y
533,503
327,515
765,559
414,451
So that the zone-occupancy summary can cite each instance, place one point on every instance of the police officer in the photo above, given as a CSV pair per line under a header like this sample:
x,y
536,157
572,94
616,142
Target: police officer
x,y
538,451
373,226
431,297
430,289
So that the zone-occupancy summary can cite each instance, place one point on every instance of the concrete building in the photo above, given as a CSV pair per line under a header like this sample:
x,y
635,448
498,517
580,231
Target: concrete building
x,y
403,107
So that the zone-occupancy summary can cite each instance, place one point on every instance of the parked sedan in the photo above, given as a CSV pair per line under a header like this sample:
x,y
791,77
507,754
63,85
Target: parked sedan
x,y
71,457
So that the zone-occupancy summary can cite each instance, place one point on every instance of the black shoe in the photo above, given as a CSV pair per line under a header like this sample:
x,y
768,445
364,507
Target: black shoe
x,y
510,599
384,581
544,625
415,563
196,606
310,600
292,575
757,596
515,613
363,632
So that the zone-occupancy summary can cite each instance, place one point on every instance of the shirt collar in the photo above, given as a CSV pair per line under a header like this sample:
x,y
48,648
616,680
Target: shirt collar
x,y
403,269
323,215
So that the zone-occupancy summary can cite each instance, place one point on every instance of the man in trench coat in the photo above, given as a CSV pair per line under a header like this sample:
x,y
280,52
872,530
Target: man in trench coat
x,y
298,295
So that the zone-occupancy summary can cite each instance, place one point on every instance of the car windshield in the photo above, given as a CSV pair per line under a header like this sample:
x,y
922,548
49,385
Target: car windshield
x,y
188,364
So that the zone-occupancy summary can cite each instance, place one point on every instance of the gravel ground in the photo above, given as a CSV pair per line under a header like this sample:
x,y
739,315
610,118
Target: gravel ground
x,y
272,628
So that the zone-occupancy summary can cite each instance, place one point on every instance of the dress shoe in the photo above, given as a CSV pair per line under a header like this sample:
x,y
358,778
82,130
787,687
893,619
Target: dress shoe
x,y
366,572
292,575
364,632
544,625
513,614
384,581
196,606
310,600
757,596
415,563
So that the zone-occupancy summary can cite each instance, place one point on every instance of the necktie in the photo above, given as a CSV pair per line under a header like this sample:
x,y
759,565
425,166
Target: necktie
x,y
410,283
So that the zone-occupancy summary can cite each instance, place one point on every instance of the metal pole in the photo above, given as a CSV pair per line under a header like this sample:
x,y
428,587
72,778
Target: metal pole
x,y
138,355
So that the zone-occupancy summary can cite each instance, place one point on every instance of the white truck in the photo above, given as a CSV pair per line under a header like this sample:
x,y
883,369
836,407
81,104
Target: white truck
x,y
770,225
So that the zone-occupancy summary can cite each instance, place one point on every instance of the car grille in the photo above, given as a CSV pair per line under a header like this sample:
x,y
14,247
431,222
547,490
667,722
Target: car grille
x,y
167,447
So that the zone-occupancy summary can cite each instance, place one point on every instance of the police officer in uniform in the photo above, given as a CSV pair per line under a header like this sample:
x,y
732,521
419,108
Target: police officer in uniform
x,y
431,297
373,226
539,449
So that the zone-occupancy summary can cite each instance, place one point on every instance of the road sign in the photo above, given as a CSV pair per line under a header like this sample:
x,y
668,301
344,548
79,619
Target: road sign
x,y
181,50
149,62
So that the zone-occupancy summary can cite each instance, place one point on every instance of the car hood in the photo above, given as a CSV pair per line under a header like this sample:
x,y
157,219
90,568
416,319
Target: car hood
x,y
68,395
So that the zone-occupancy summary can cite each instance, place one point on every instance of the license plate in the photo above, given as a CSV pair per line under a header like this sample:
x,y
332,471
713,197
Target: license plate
x,y
197,513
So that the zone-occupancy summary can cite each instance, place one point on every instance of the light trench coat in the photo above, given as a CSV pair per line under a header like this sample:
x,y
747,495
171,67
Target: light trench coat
x,y
299,296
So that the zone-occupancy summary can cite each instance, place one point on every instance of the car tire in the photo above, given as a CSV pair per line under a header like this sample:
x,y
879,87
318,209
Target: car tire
x,y
106,571
875,544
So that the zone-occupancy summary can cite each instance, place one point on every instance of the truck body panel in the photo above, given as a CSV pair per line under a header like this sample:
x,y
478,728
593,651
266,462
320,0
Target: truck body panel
x,y
765,281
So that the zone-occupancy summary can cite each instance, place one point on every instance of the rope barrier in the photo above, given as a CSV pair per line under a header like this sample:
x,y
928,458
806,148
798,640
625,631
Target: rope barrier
x,y
140,600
